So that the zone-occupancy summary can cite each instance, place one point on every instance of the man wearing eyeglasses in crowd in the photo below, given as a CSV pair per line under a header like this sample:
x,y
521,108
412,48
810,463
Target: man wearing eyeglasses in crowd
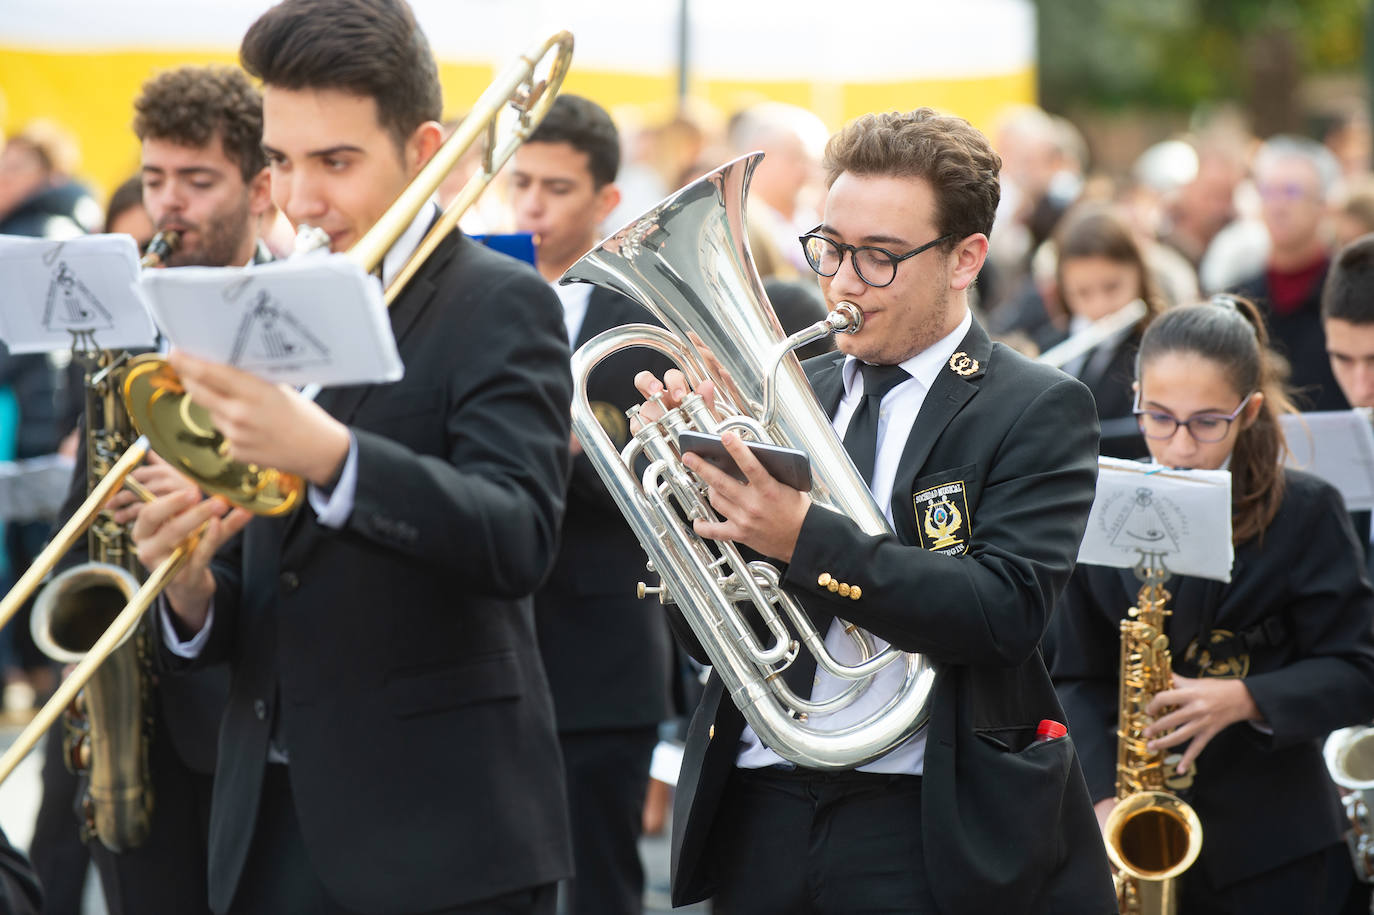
x,y
984,464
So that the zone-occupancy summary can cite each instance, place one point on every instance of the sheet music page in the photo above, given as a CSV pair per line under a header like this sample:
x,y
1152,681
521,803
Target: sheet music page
x,y
56,291
310,320
1337,446
1184,515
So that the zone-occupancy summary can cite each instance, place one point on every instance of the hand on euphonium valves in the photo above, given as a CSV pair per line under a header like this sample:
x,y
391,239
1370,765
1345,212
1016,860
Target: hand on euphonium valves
x,y
264,423
763,514
1201,709
165,523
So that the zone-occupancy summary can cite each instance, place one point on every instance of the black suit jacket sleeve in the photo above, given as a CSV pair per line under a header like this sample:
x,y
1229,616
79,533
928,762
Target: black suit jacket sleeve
x,y
989,606
1328,619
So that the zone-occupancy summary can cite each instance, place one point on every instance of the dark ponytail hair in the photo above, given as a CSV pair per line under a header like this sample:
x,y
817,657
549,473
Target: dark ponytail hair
x,y
1229,331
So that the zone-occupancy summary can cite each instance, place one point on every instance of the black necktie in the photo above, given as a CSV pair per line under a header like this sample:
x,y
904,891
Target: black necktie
x,y
861,438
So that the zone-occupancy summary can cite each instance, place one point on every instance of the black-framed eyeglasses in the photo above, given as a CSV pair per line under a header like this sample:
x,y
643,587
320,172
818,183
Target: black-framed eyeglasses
x,y
1205,428
877,267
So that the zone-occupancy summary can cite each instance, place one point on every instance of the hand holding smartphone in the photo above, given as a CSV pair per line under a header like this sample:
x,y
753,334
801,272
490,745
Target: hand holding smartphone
x,y
787,465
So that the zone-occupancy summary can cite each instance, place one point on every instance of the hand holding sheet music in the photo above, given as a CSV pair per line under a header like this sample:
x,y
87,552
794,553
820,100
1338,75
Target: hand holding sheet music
x,y
1182,515
312,320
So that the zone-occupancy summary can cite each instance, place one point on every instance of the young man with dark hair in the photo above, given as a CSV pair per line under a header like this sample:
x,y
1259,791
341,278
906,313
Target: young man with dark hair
x,y
1348,320
607,654
204,175
970,814
389,742
1348,326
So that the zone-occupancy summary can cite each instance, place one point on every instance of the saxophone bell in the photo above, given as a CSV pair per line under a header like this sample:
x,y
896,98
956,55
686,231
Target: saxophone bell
x,y
1349,755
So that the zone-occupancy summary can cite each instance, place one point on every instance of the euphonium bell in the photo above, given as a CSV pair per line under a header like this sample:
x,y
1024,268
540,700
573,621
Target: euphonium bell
x,y
688,262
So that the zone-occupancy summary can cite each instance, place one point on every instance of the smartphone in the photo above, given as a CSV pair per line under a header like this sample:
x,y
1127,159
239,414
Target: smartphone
x,y
787,465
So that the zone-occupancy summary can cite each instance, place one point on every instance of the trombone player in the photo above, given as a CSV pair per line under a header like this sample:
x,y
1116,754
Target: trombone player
x,y
389,743
205,177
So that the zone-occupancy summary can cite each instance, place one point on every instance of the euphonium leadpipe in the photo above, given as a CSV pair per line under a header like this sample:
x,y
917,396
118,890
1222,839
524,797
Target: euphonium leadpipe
x,y
688,261
154,396
1152,835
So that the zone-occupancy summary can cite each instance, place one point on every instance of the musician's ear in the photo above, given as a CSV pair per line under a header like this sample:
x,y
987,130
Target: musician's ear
x,y
969,256
1252,409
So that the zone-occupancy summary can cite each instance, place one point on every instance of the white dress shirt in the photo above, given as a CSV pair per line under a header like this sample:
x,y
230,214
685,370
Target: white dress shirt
x,y
575,297
896,415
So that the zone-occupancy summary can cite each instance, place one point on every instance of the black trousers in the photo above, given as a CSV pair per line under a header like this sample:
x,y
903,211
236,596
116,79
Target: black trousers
x,y
166,874
1318,884
278,876
608,775
797,842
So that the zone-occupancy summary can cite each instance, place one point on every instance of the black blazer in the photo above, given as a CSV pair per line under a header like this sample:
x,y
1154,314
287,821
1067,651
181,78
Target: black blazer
x,y
1114,396
607,652
1007,824
1301,339
1301,602
396,658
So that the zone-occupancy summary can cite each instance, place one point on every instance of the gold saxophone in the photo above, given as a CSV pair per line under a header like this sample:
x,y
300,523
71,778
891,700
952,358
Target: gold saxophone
x,y
108,728
1152,835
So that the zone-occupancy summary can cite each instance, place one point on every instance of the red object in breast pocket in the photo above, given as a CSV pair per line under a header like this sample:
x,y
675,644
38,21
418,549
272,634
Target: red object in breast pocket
x,y
1049,729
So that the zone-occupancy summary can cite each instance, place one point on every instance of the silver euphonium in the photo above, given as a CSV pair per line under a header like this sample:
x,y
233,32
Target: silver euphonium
x,y
1349,754
687,261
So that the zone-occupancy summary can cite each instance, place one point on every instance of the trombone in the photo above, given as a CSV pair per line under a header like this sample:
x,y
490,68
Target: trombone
x,y
179,431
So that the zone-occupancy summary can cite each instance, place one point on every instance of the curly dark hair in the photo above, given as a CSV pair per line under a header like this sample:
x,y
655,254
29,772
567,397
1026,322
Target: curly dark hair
x,y
192,105
945,151
369,48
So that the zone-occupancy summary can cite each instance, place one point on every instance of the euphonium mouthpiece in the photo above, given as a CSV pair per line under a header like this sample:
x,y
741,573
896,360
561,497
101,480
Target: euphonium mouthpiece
x,y
847,318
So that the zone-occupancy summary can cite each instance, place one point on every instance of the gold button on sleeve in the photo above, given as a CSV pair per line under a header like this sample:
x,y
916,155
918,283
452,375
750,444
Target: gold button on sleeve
x,y
824,580
844,589
711,733
833,586
855,592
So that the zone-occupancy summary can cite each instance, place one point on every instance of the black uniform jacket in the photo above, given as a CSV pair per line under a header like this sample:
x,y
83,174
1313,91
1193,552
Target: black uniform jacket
x,y
1301,339
395,659
1112,391
1007,825
1295,622
606,651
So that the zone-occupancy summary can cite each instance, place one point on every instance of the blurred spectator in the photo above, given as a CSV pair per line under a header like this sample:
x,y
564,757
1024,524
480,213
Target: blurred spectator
x,y
1297,178
1345,132
1354,216
659,158
490,212
791,140
1101,269
1044,159
126,214
1160,175
38,197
